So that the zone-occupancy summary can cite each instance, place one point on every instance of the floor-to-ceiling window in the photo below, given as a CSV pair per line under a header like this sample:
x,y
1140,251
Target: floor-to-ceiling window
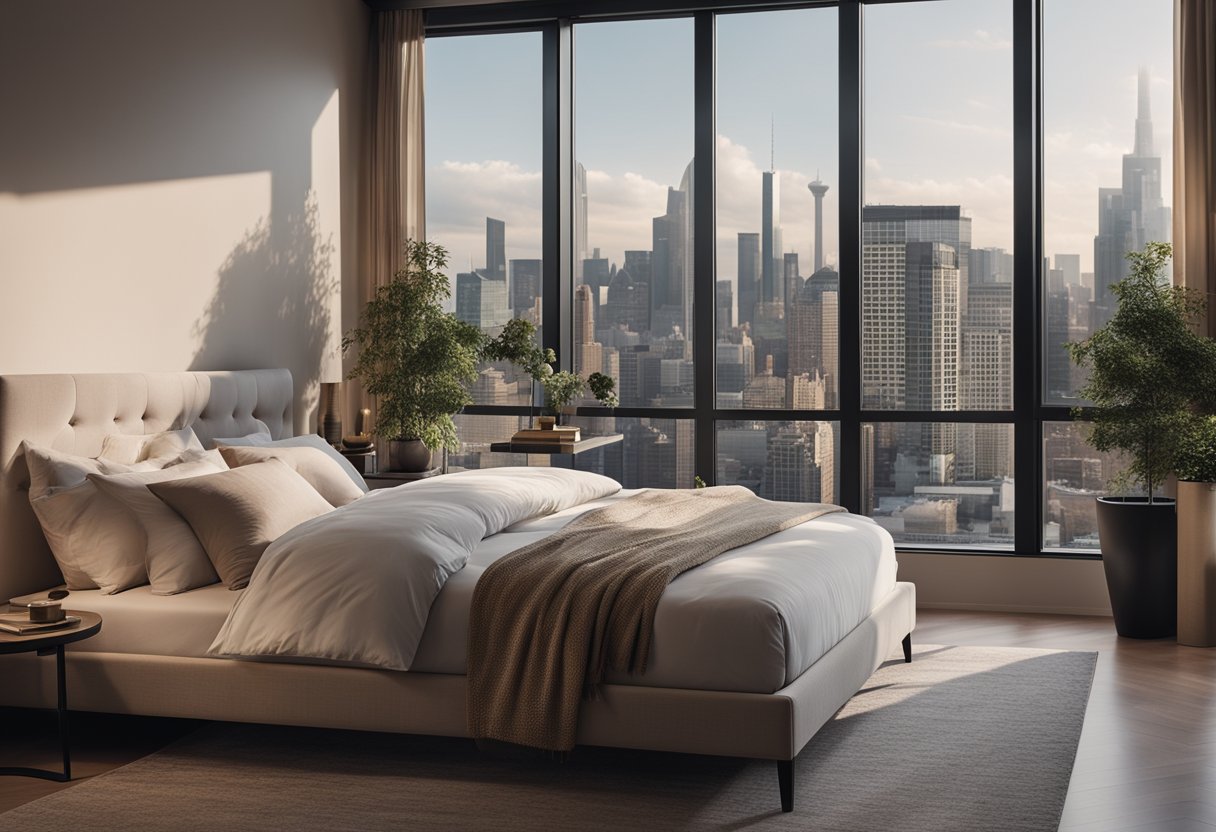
x,y
870,227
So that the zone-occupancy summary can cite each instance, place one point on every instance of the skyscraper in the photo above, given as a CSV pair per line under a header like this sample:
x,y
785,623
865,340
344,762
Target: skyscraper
x,y
772,286
748,276
1131,215
525,285
496,249
588,353
671,262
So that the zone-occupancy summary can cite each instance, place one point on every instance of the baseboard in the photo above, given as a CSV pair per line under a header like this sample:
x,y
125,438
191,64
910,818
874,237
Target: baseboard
x,y
999,584
1023,608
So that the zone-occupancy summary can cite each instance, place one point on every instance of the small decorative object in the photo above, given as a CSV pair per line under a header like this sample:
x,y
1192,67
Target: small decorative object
x,y
46,612
415,358
546,422
1151,379
363,424
331,419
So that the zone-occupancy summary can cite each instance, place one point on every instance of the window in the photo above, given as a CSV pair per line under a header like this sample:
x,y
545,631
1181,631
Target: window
x,y
777,290
1107,190
633,191
483,197
873,294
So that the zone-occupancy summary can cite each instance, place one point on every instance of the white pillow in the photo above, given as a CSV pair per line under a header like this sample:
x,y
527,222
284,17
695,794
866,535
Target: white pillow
x,y
174,558
132,448
92,542
308,440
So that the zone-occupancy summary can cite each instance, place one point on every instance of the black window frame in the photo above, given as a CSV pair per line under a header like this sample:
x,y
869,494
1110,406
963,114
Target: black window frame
x,y
1029,414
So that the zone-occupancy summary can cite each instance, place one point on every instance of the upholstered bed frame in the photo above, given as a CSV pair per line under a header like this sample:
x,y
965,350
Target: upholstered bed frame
x,y
73,413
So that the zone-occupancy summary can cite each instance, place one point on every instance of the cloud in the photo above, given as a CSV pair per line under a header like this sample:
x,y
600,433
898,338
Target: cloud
x,y
960,126
988,200
980,40
460,195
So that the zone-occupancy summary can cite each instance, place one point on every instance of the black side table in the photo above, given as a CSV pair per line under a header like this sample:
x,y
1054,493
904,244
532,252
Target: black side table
x,y
45,644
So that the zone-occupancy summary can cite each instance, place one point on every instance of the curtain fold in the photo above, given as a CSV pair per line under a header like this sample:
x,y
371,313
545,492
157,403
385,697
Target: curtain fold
x,y
1195,149
394,168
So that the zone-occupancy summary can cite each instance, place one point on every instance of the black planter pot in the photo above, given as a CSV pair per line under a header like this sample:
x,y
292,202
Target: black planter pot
x,y
409,456
1140,558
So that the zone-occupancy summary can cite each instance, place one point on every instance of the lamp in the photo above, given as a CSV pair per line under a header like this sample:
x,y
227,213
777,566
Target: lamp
x,y
330,423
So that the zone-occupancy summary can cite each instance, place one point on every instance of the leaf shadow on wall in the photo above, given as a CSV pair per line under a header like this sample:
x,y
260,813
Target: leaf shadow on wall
x,y
274,305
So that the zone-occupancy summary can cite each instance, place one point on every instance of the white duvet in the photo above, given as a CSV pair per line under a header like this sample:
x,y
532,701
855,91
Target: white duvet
x,y
355,586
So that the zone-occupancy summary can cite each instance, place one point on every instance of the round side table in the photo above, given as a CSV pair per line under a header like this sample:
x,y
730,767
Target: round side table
x,y
44,644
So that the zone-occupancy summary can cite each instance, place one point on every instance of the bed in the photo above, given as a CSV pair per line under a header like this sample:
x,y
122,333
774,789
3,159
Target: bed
x,y
734,673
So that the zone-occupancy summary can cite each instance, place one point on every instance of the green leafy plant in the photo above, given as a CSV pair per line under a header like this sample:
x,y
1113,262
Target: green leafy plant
x,y
697,482
517,344
1197,459
604,389
561,389
413,357
1151,376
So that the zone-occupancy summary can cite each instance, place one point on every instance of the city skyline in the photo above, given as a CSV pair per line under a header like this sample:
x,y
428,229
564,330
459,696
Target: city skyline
x,y
936,305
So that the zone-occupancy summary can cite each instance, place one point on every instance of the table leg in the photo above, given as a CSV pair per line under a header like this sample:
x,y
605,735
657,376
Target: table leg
x,y
62,708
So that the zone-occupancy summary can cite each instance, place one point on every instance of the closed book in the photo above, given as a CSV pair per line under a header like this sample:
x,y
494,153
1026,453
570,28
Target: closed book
x,y
18,623
542,447
555,435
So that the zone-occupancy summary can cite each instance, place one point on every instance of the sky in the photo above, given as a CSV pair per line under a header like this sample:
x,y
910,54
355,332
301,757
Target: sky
x,y
938,97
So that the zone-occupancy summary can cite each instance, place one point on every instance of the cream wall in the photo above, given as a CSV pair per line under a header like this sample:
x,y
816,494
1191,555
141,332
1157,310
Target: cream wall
x,y
178,184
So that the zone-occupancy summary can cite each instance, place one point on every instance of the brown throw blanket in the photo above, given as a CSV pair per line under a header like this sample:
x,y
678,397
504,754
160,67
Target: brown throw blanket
x,y
549,620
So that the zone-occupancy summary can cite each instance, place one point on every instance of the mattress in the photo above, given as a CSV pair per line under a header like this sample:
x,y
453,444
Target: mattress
x,y
751,620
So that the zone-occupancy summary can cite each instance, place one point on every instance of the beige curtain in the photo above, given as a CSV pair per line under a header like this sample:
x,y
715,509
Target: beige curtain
x,y
394,169
1195,149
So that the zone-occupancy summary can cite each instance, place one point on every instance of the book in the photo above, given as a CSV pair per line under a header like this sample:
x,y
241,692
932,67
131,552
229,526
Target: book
x,y
18,623
529,446
556,435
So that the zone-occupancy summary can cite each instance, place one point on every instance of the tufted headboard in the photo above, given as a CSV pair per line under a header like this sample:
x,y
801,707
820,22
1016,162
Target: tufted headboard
x,y
74,413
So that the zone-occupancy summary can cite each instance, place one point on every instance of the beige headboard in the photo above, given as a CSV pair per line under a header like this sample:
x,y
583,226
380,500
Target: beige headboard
x,y
73,413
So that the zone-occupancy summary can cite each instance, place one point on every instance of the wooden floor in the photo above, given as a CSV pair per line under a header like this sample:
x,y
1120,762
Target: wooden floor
x,y
1147,759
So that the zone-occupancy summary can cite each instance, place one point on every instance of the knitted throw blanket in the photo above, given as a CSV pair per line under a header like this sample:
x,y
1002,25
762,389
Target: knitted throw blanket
x,y
548,620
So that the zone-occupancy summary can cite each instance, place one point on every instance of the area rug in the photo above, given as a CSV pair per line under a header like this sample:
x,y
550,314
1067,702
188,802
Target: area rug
x,y
964,738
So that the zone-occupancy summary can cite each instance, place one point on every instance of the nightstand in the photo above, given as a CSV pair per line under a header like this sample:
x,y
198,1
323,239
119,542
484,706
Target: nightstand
x,y
389,479
46,644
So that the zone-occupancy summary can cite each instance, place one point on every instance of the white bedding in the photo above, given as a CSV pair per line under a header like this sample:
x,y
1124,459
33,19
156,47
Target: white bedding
x,y
751,620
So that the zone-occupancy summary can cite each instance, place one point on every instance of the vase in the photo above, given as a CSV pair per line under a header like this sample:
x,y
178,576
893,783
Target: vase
x,y
1139,557
1197,564
409,456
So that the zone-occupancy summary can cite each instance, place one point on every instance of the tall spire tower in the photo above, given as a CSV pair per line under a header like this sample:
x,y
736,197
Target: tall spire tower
x,y
1144,117
818,189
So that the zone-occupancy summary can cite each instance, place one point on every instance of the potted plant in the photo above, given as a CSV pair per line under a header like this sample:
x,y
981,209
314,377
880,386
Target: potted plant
x,y
415,358
517,344
1149,376
1197,537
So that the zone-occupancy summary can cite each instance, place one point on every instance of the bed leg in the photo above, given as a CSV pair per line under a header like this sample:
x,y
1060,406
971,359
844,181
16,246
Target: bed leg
x,y
785,779
908,648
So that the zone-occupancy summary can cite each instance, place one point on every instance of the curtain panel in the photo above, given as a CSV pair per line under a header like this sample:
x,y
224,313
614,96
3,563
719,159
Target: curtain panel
x,y
1195,149
394,173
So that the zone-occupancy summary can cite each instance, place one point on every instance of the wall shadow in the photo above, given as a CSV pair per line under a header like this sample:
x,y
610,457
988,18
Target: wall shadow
x,y
276,299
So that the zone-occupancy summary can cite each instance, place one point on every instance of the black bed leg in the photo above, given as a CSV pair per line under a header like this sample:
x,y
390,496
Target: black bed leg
x,y
908,648
785,778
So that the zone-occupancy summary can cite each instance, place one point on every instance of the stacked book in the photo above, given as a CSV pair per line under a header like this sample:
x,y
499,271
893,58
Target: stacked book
x,y
18,623
558,439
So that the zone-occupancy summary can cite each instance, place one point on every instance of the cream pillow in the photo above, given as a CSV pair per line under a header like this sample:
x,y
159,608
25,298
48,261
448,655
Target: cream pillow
x,y
322,473
308,440
83,535
174,559
238,513
132,448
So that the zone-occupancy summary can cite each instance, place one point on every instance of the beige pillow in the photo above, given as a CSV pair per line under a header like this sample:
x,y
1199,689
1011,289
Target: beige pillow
x,y
238,513
92,539
132,448
174,559
322,473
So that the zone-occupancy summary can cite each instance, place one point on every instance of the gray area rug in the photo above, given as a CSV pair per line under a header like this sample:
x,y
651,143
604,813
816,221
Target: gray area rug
x,y
964,738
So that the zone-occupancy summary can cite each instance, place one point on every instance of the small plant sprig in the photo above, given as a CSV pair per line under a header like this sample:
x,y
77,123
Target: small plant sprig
x,y
604,389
